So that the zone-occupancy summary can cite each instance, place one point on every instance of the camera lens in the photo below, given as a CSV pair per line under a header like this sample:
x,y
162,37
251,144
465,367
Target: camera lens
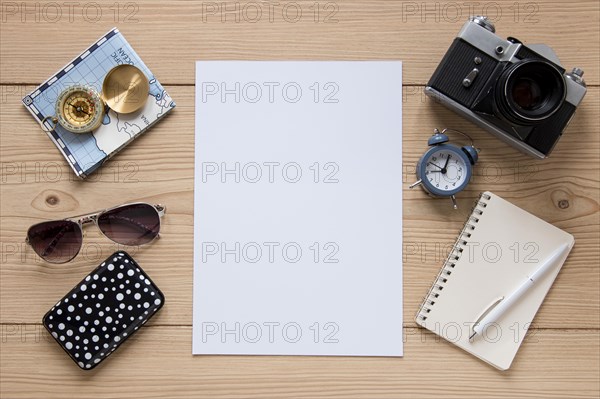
x,y
527,94
530,91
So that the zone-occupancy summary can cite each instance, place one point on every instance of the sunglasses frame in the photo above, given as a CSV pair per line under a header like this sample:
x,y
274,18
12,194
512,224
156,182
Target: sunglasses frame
x,y
92,217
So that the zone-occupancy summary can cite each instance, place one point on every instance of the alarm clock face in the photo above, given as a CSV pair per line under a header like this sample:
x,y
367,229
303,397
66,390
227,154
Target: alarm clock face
x,y
444,170
79,109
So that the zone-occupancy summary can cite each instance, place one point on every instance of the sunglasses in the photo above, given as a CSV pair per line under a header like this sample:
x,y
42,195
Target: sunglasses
x,y
59,241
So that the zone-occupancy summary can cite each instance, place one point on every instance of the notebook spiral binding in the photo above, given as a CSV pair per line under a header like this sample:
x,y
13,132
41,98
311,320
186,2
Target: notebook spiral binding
x,y
453,257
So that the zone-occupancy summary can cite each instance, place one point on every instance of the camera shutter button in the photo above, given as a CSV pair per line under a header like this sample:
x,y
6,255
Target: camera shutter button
x,y
484,22
468,80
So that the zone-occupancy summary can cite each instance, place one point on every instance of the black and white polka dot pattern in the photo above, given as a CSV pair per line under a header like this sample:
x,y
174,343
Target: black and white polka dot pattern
x,y
103,310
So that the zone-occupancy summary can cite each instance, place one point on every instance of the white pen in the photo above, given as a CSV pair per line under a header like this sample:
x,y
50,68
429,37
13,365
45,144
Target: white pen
x,y
507,302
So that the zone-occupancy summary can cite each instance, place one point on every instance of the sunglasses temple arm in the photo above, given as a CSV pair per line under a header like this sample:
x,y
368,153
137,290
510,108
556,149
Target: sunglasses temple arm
x,y
52,244
133,222
86,217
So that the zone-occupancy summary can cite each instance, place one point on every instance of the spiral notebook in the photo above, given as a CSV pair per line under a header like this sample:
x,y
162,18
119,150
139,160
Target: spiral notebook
x,y
498,247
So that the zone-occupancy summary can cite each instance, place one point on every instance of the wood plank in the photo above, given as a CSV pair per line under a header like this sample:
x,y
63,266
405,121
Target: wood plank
x,y
40,37
157,362
158,167
561,356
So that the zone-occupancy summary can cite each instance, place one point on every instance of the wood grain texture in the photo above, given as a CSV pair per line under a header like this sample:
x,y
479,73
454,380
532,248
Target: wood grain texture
x,y
171,36
156,363
559,359
159,170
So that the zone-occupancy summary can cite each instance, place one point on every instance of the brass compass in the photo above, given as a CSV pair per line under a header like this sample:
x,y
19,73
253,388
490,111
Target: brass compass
x,y
125,89
79,109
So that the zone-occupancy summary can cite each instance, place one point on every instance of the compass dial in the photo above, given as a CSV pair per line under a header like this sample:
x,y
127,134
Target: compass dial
x,y
79,109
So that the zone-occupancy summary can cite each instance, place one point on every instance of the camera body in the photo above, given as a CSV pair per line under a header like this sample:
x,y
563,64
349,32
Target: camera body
x,y
519,93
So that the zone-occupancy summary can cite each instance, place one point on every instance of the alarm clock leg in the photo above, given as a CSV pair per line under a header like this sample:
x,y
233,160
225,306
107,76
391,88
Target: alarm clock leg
x,y
415,184
454,204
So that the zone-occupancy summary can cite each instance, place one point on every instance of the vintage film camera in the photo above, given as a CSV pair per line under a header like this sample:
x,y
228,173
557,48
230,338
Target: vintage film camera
x,y
519,93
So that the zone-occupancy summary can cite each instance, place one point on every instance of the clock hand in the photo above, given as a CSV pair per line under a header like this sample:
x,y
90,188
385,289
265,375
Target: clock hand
x,y
431,163
447,160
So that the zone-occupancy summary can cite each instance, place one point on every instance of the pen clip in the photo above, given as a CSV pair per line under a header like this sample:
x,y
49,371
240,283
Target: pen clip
x,y
482,315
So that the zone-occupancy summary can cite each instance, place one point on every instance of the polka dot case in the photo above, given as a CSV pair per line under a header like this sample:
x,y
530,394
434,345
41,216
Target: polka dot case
x,y
103,310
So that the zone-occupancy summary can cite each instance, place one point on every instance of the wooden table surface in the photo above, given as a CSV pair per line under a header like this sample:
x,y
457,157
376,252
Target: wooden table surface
x,y
561,355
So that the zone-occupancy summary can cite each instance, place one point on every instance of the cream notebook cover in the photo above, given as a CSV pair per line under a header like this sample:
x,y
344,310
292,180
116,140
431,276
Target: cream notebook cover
x,y
499,246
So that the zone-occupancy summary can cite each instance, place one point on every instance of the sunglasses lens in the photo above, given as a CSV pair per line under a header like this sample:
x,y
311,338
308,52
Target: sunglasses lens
x,y
135,224
57,241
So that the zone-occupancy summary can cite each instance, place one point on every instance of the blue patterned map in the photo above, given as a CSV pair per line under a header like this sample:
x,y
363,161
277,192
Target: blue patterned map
x,y
86,152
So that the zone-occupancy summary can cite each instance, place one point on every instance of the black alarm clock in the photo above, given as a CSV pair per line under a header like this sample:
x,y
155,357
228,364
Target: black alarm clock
x,y
446,169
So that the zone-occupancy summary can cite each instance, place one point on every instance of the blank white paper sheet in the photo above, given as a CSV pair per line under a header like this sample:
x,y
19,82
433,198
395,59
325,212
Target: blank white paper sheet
x,y
298,208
